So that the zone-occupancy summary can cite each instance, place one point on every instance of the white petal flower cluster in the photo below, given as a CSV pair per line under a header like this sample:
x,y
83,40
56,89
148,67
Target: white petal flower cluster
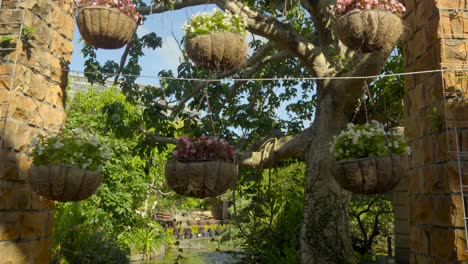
x,y
73,147
368,140
217,21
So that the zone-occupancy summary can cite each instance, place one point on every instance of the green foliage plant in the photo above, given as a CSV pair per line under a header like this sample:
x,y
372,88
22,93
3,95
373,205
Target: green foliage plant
x,y
194,229
72,147
6,41
27,33
367,140
200,24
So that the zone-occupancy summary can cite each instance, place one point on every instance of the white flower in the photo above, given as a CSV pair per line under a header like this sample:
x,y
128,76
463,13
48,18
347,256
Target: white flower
x,y
78,131
94,141
58,145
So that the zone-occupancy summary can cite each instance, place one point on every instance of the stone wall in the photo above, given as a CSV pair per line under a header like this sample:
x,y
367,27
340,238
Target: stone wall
x,y
30,104
436,40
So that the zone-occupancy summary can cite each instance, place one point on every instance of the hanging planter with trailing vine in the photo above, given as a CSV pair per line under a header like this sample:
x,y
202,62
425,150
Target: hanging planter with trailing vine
x,y
66,167
202,167
107,24
216,42
369,26
370,160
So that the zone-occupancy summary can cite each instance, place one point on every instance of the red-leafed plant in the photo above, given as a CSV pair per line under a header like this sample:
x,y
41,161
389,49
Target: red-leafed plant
x,y
203,149
393,6
124,6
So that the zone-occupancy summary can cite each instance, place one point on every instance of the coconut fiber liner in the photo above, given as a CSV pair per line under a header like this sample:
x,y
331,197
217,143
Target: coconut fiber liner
x,y
105,28
63,183
200,179
370,30
371,175
217,51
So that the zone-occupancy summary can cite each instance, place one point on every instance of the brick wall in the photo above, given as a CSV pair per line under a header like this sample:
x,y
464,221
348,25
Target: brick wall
x,y
33,104
434,209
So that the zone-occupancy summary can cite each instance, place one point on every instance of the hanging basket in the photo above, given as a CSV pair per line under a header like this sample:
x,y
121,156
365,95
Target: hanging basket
x,y
371,175
105,28
369,30
217,51
64,183
200,179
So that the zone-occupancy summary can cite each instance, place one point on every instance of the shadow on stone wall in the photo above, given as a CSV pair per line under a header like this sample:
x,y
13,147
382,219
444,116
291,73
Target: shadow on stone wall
x,y
25,218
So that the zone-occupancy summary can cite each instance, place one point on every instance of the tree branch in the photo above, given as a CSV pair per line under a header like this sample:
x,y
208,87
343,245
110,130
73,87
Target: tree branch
x,y
276,150
178,4
321,13
269,155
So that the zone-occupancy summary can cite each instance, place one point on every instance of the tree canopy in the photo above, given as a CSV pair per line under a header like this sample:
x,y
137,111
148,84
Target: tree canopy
x,y
291,40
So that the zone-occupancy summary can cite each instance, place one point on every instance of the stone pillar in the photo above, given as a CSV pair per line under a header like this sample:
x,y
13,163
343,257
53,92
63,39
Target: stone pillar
x,y
33,103
436,40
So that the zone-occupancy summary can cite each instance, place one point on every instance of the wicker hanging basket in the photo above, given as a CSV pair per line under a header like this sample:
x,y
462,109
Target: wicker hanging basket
x,y
370,175
217,51
105,28
369,30
64,183
200,179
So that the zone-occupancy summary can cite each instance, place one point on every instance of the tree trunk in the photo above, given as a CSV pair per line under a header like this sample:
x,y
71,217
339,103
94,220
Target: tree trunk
x,y
325,236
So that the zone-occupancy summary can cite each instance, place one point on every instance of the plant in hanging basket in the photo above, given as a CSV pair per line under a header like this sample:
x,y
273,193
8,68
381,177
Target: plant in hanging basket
x,y
66,167
107,24
369,25
202,167
369,159
216,41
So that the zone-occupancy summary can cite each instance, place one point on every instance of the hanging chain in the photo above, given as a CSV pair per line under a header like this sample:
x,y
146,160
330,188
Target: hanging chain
x,y
210,113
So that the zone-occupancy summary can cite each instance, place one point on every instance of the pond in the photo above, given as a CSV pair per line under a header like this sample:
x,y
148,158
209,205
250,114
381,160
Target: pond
x,y
199,251
198,256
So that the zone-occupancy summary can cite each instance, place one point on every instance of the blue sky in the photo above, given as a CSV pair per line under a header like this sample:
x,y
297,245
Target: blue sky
x,y
165,25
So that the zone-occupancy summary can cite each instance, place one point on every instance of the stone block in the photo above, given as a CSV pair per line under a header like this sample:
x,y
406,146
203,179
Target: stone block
x,y
422,208
52,118
448,211
442,243
35,225
18,135
400,198
10,225
455,52
451,4
425,10
15,195
433,92
8,167
38,251
419,240
455,84
416,181
451,173
461,245
457,110
12,253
